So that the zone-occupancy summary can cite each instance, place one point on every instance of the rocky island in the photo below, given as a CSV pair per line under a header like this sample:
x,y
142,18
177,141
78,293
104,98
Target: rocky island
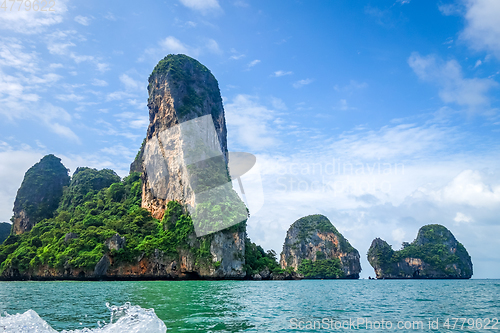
x,y
434,254
315,249
96,226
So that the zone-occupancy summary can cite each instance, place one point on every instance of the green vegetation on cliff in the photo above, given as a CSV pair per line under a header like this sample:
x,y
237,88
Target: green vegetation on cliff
x,y
174,65
257,260
4,231
75,237
94,218
185,70
84,184
321,269
41,190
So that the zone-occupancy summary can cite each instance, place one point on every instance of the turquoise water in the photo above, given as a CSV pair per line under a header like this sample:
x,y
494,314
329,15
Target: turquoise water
x,y
263,306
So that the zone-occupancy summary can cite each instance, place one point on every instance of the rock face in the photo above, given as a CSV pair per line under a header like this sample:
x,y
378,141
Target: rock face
x,y
434,254
224,249
180,89
314,238
4,231
39,194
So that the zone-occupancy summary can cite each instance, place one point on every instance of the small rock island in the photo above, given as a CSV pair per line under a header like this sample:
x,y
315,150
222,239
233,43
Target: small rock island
x,y
434,254
315,249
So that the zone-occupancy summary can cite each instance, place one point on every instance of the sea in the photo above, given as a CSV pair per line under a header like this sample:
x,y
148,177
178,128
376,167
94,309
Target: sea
x,y
251,306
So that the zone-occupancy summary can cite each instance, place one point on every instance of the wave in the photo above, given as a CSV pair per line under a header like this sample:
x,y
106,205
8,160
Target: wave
x,y
126,318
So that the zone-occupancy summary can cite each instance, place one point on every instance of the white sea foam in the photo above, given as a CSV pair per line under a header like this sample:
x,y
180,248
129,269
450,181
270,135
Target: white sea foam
x,y
126,318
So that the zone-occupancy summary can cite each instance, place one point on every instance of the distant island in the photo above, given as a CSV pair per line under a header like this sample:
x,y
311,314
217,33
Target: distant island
x,y
315,249
434,254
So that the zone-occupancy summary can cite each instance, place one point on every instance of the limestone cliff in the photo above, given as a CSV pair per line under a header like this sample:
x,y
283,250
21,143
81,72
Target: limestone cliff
x,y
313,241
175,154
4,231
39,194
434,254
180,89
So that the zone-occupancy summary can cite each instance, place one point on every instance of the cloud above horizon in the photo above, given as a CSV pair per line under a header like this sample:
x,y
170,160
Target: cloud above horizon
x,y
482,30
472,93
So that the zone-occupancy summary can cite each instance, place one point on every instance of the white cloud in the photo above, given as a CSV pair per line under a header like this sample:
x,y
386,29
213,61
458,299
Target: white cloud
x,y
301,83
119,150
398,235
118,95
253,63
468,188
453,87
133,120
132,88
278,103
351,87
83,20
99,83
450,9
63,131
173,45
167,45
102,67
241,3
213,47
203,6
249,123
31,21
62,43
69,98
54,66
19,98
403,140
462,218
12,55
282,73
482,29
110,16
237,57
343,106
130,83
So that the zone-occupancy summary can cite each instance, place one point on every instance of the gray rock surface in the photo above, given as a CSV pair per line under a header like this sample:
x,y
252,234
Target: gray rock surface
x,y
116,242
69,236
102,266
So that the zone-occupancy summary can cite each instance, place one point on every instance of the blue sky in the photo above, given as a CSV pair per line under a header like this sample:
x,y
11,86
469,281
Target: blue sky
x,y
400,83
